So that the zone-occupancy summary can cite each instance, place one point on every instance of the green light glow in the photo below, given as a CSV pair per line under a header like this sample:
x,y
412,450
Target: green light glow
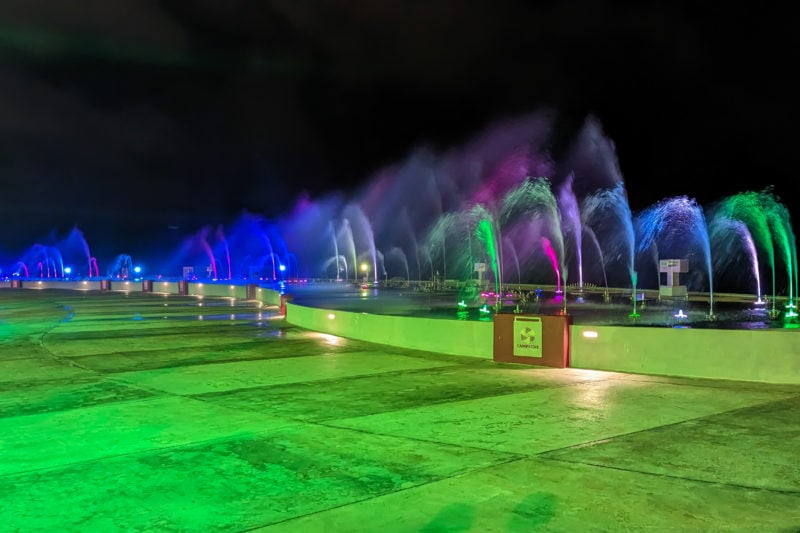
x,y
485,233
746,207
535,199
45,44
780,224
6,331
790,314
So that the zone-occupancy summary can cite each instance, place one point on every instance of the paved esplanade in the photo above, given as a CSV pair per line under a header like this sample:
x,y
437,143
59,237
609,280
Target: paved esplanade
x,y
134,413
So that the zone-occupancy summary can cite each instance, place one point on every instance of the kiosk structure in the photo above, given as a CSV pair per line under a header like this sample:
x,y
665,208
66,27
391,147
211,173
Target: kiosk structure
x,y
672,268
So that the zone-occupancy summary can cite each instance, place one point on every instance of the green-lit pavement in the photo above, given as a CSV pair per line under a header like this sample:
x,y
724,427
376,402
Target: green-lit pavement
x,y
152,413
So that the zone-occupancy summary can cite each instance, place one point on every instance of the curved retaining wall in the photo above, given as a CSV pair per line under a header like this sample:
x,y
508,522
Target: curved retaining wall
x,y
768,355
453,337
771,356
212,290
93,285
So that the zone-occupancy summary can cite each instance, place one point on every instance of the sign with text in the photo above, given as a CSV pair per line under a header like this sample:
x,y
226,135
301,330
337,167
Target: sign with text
x,y
527,336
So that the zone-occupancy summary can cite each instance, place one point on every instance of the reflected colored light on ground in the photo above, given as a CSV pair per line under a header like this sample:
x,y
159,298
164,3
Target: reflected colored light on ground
x,y
327,338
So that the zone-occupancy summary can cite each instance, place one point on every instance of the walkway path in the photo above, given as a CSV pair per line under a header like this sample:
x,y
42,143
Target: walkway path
x,y
147,413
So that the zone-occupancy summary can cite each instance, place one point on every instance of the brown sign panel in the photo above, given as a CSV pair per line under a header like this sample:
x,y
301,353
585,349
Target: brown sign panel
x,y
547,335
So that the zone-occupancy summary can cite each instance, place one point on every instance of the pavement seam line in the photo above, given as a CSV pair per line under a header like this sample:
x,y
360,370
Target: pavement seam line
x,y
656,428
377,496
657,474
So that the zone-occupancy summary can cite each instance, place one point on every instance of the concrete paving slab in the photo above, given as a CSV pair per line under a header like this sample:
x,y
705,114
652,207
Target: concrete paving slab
x,y
540,495
252,349
98,342
200,379
702,382
229,485
65,437
18,369
552,418
755,447
28,397
392,391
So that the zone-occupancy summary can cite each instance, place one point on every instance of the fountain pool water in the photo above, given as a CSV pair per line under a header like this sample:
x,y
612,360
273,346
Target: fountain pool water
x,y
589,306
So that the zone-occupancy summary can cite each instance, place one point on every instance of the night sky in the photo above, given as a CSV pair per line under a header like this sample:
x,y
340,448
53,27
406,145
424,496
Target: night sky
x,y
139,121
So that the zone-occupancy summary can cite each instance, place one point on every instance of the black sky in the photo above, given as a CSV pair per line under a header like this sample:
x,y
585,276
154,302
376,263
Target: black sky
x,y
136,117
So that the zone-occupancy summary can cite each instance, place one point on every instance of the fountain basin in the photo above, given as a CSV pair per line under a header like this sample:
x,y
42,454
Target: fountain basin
x,y
765,352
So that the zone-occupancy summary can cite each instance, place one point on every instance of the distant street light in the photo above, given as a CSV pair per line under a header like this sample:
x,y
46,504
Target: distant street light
x,y
365,270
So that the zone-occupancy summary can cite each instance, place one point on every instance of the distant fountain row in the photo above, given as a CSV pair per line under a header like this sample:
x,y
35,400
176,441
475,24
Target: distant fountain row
x,y
501,210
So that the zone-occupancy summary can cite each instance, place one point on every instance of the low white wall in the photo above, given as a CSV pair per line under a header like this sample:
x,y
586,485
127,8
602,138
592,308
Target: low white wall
x,y
220,290
453,337
126,286
91,285
212,290
768,355
165,287
765,355
268,296
240,292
